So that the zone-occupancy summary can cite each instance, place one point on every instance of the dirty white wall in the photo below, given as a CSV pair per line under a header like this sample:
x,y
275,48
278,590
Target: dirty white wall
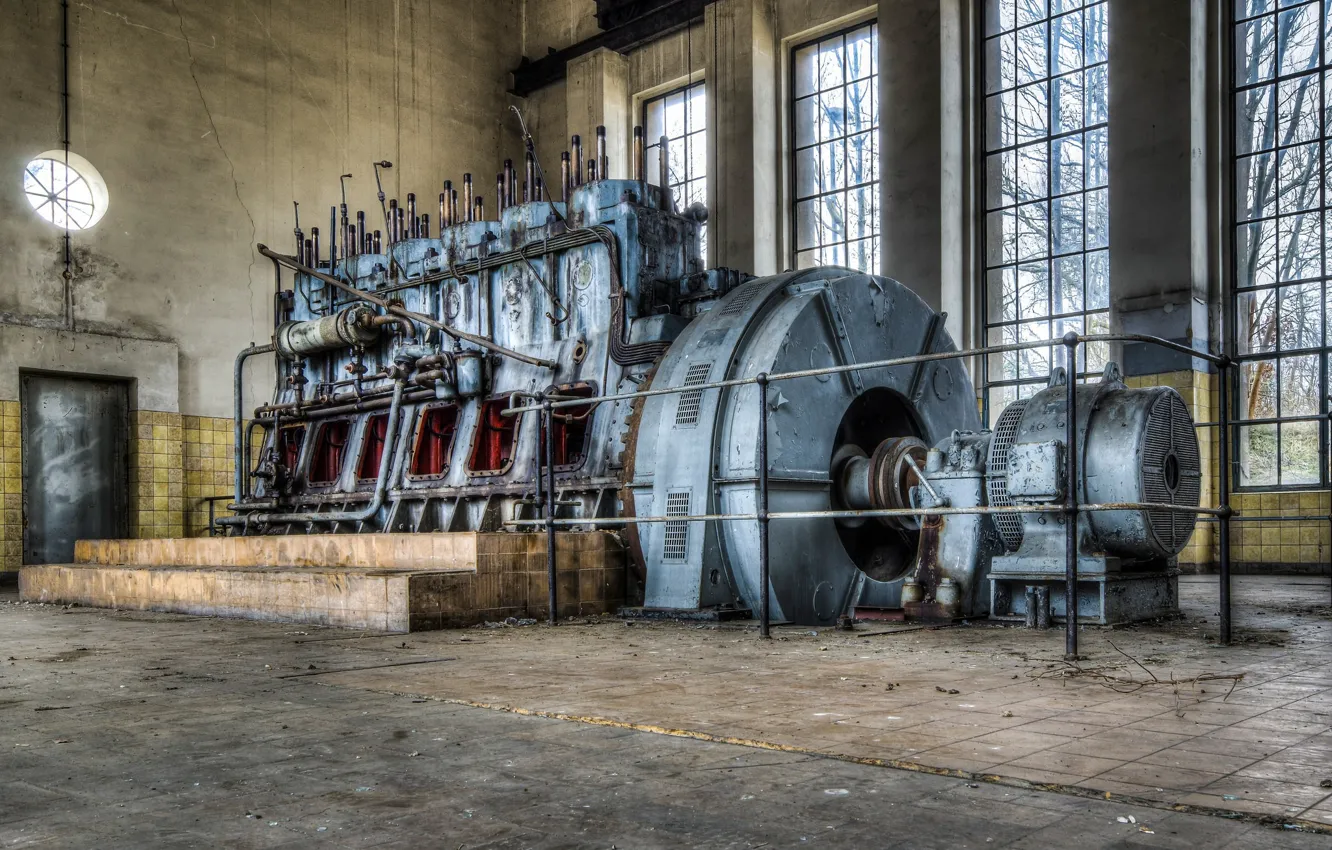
x,y
207,118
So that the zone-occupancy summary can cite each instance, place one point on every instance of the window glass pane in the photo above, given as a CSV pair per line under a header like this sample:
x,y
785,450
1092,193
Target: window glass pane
x,y
1047,206
835,112
681,117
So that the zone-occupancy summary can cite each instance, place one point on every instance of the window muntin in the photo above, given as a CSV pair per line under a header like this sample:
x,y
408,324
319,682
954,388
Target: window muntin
x,y
835,173
682,117
1046,116
1281,256
65,190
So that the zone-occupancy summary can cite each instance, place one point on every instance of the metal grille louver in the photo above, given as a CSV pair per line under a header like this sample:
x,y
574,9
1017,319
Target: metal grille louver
x,y
1005,432
1170,432
741,297
675,546
689,403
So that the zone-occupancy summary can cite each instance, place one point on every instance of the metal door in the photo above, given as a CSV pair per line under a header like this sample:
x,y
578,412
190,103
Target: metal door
x,y
75,464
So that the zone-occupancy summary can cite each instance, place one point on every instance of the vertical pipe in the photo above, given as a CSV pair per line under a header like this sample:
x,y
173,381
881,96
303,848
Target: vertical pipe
x,y
1071,499
313,249
1223,500
591,171
564,176
332,237
379,242
500,193
309,252
538,189
242,464
529,177
402,224
663,167
392,223
547,432
762,513
353,247
360,228
467,196
425,225
603,163
443,212
576,148
479,212
640,163
453,207
411,215
509,181
300,251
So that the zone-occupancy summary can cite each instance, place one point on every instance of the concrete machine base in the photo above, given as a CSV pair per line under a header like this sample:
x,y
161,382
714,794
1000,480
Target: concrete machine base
x,y
386,582
1104,599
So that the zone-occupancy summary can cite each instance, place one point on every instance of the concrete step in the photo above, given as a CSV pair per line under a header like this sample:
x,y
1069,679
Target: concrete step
x,y
384,582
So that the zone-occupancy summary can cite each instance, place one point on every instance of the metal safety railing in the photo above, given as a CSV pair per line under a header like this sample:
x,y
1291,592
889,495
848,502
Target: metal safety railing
x,y
1071,508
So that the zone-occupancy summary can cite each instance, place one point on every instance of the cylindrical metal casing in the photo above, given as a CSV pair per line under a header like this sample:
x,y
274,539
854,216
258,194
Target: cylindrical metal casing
x,y
500,193
344,329
360,228
576,155
479,210
379,242
467,196
603,162
564,176
664,168
591,171
640,166
353,246
468,369
425,225
411,214
392,223
313,252
529,177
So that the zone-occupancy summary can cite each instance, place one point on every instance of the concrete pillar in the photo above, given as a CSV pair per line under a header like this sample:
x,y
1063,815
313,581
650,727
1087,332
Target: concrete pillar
x,y
597,94
744,142
1158,179
924,131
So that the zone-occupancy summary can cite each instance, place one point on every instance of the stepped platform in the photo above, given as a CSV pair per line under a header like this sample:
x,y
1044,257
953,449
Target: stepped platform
x,y
381,582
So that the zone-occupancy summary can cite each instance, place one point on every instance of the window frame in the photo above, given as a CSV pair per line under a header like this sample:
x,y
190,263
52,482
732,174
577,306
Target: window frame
x,y
793,147
1049,197
651,170
1231,91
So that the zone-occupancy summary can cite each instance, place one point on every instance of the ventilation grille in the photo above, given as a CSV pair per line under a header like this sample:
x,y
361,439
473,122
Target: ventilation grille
x,y
675,547
689,403
1170,457
1005,432
741,297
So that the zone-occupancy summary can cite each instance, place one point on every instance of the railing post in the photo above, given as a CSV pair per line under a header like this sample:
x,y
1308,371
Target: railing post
x,y
1071,499
762,512
547,432
1223,500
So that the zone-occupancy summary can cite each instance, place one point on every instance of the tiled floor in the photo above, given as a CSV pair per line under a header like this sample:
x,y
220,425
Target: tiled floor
x,y
984,700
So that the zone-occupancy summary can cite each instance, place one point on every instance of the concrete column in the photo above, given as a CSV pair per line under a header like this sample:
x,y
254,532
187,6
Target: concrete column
x,y
744,139
1158,179
597,94
924,145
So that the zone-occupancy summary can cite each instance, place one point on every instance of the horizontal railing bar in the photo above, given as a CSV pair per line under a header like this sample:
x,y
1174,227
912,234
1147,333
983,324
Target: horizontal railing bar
x,y
875,364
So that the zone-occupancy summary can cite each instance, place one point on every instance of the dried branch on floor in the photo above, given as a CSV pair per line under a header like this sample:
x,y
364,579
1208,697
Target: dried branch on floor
x,y
1119,677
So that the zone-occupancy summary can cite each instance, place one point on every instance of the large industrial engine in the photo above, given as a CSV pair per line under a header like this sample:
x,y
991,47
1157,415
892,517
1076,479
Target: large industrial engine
x,y
399,352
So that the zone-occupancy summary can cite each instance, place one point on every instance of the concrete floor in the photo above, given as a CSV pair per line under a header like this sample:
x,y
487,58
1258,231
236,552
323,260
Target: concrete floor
x,y
134,730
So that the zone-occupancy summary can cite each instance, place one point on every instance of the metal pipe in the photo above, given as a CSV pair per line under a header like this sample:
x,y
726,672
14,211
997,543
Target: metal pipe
x,y
576,155
467,196
408,329
425,225
1223,499
238,382
603,162
362,247
564,176
332,236
353,245
381,480
313,254
499,194
509,181
529,177
378,243
1071,499
763,518
640,161
302,251
551,573
393,222
479,213
411,215
664,166
384,305
453,207
443,212
591,171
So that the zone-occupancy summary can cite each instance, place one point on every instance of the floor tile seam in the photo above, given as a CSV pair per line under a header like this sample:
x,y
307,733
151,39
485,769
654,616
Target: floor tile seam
x,y
895,764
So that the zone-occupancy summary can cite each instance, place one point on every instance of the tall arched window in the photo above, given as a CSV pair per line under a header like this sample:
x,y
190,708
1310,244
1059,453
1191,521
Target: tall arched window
x,y
1047,207
1281,223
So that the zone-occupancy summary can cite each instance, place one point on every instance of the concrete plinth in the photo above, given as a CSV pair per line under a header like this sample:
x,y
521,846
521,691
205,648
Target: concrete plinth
x,y
388,582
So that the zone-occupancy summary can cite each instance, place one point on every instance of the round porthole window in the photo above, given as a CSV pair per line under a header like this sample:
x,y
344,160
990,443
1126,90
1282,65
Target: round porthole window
x,y
65,189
